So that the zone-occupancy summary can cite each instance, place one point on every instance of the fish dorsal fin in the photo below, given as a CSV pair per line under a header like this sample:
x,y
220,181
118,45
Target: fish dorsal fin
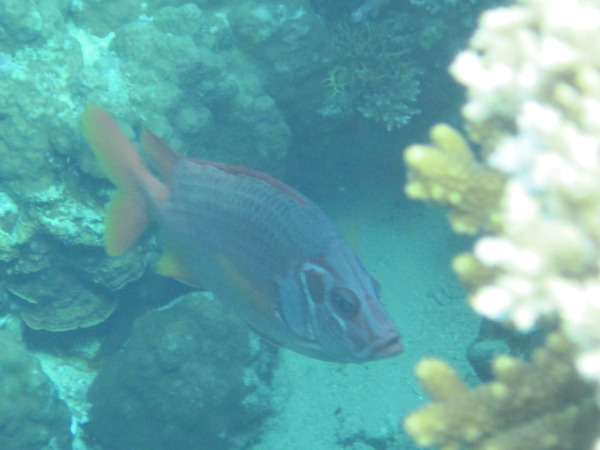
x,y
257,174
171,264
267,179
351,230
162,156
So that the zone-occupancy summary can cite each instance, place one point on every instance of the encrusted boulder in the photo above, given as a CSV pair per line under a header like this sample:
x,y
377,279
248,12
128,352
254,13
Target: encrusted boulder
x,y
185,379
32,416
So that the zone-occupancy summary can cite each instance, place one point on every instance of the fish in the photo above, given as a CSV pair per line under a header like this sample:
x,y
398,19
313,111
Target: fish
x,y
260,246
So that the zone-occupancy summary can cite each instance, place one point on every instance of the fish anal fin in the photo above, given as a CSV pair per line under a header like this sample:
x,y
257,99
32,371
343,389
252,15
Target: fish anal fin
x,y
171,264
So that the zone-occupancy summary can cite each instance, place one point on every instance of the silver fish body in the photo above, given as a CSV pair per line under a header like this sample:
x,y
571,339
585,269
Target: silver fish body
x,y
260,246
276,258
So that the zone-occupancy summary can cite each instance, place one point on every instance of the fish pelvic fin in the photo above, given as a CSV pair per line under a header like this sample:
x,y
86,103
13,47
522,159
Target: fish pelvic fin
x,y
127,213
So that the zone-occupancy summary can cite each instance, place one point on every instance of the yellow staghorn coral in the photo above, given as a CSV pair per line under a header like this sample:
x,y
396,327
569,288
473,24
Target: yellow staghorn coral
x,y
533,77
472,272
447,172
541,404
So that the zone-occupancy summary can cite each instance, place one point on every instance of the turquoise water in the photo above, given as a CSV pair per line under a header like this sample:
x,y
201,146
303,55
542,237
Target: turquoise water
x,y
103,353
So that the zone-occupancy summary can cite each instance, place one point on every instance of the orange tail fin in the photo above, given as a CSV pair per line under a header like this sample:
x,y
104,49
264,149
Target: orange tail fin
x,y
127,214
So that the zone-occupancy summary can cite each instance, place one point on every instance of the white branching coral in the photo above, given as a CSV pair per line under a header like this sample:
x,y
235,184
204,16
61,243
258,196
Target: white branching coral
x,y
533,77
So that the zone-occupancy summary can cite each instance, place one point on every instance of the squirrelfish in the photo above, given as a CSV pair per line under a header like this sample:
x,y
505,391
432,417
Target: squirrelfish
x,y
259,245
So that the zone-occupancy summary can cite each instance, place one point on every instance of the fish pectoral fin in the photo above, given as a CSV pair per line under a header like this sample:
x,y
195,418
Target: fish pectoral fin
x,y
171,264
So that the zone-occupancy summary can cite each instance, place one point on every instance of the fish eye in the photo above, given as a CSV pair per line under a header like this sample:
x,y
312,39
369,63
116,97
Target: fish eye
x,y
345,303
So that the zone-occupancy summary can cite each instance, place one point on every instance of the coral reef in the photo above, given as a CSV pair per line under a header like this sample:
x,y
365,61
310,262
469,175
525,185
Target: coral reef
x,y
533,112
493,340
29,21
541,404
288,48
59,281
382,66
447,172
186,378
373,72
174,66
32,416
533,82
220,80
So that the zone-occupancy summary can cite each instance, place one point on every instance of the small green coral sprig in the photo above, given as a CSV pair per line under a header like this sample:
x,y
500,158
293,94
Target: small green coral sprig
x,y
373,73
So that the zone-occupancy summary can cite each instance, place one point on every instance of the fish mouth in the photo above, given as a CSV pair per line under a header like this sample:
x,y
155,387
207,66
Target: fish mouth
x,y
387,348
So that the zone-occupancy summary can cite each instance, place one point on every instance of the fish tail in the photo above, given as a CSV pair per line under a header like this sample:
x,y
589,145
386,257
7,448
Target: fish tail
x,y
127,214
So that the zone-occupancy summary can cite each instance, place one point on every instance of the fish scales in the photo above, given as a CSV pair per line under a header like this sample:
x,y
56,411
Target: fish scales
x,y
247,220
264,249
245,215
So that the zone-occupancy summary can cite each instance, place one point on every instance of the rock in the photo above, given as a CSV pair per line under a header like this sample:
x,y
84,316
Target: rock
x,y
32,416
183,380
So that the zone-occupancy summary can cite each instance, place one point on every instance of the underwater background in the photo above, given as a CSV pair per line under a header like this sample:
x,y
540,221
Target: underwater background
x,y
102,353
